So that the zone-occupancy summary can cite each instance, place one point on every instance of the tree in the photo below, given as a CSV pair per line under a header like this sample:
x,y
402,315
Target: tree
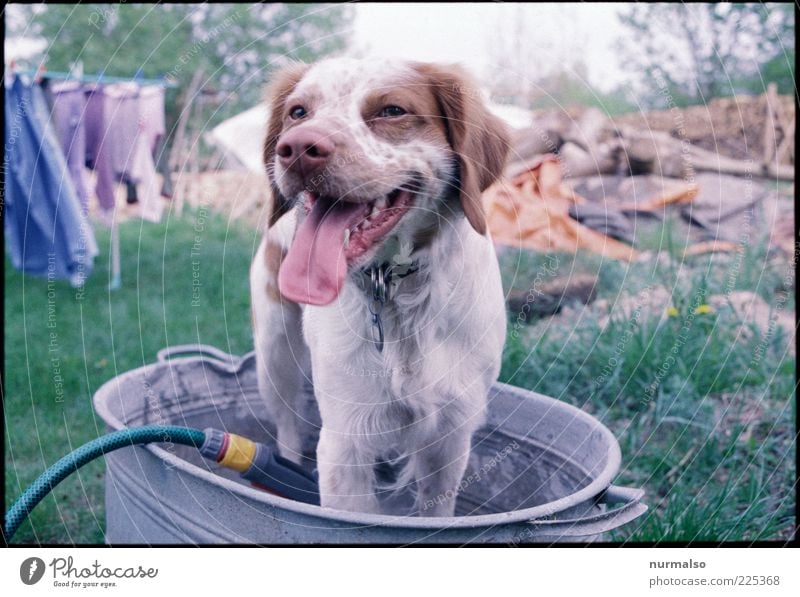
x,y
700,51
236,45
527,81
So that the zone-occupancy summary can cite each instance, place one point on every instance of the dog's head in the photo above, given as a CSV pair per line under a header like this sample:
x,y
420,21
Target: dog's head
x,y
369,150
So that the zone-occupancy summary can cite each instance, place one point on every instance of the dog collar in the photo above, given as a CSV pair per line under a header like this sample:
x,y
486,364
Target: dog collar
x,y
379,278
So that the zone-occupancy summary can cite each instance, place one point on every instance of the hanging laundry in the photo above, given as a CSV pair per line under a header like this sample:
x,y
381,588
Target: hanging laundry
x,y
47,233
68,107
98,156
151,108
154,118
131,140
122,126
153,129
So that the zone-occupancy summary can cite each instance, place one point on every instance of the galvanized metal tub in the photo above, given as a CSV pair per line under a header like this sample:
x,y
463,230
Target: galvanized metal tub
x,y
540,470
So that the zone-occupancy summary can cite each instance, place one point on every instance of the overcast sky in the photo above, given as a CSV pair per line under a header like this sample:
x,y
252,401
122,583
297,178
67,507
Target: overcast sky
x,y
474,33
480,36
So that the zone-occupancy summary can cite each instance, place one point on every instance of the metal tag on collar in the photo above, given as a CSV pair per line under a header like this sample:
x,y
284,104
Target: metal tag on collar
x,y
380,278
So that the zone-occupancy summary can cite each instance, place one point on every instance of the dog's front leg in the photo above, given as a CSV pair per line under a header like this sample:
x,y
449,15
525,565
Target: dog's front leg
x,y
439,466
346,473
281,355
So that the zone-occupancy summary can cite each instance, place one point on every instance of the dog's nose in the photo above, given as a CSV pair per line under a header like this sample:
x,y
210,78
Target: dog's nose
x,y
304,150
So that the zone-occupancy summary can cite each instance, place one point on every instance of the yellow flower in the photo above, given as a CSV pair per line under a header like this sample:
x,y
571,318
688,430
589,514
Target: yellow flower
x,y
704,309
672,312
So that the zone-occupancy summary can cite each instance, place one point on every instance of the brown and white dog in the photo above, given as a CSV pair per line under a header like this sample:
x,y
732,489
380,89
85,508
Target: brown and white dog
x,y
377,167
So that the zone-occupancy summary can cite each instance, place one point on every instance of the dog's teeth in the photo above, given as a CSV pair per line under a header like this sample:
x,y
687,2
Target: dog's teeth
x,y
346,237
382,203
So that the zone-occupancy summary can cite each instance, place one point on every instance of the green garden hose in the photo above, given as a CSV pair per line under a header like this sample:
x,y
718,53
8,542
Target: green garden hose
x,y
255,461
85,454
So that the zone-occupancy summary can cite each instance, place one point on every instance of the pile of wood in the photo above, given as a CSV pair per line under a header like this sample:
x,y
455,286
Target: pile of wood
x,y
731,126
617,173
237,194
737,136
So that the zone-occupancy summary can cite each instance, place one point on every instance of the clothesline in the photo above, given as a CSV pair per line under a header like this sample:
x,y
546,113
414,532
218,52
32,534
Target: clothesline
x,y
101,78
110,128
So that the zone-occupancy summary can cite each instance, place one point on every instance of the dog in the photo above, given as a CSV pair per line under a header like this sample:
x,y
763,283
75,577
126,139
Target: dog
x,y
376,274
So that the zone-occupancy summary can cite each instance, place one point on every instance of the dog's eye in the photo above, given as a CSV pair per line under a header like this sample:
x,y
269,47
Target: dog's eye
x,y
297,113
392,112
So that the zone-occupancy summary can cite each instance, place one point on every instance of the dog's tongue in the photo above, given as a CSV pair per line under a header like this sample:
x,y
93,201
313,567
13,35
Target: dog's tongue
x,y
315,267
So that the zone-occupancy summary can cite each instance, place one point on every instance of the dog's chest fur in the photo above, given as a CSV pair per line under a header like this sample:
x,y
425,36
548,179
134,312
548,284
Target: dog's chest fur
x,y
424,378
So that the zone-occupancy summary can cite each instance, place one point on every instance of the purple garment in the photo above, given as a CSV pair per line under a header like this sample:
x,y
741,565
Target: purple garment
x,y
134,119
122,118
97,147
69,104
151,106
155,129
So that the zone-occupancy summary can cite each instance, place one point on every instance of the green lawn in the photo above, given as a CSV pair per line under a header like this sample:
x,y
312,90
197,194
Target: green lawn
x,y
102,335
712,444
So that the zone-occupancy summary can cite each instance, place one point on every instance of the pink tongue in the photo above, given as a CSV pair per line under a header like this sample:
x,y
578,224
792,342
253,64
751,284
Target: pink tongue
x,y
315,267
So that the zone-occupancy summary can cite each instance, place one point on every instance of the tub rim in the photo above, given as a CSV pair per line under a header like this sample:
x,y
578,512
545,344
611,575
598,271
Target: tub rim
x,y
594,489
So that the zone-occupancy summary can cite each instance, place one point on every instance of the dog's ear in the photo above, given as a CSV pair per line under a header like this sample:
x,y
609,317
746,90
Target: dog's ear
x,y
478,138
280,86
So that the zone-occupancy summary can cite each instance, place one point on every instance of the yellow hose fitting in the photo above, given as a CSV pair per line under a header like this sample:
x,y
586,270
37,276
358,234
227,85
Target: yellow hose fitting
x,y
240,453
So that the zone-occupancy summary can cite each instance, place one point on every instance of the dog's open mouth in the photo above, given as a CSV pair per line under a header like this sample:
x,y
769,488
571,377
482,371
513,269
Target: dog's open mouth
x,y
333,235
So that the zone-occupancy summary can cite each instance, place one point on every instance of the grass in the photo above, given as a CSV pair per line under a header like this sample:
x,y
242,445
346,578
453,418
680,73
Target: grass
x,y
103,334
711,442
703,404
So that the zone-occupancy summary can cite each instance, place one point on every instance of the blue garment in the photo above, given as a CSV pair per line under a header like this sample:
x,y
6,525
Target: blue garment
x,y
47,233
69,107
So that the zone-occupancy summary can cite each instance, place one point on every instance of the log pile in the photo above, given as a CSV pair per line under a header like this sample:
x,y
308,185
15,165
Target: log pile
x,y
742,136
702,163
731,126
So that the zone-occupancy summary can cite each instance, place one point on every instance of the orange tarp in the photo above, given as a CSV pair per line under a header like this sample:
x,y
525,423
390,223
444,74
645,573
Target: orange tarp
x,y
531,210
681,195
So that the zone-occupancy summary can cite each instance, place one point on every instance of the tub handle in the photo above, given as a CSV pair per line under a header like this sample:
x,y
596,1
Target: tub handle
x,y
205,351
629,508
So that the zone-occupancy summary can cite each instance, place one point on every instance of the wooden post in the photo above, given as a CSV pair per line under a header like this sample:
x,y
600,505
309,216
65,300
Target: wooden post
x,y
116,271
178,149
770,123
784,152
194,153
